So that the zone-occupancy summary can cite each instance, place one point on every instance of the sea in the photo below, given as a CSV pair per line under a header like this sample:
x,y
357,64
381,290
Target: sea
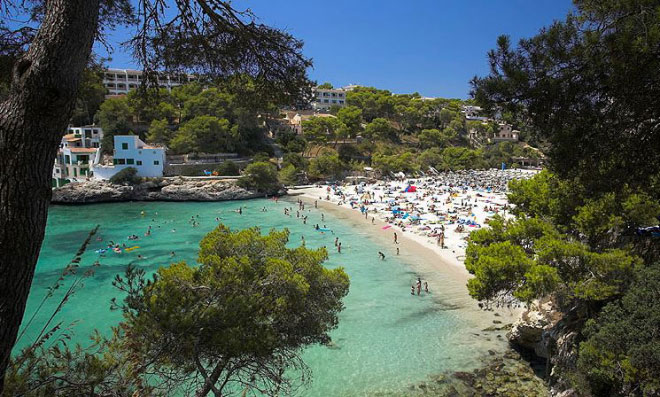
x,y
387,340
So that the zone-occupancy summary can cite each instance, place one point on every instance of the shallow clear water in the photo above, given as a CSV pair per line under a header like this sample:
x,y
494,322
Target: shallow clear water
x,y
386,339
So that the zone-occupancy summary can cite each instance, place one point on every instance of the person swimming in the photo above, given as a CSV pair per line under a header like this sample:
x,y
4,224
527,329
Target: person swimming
x,y
382,256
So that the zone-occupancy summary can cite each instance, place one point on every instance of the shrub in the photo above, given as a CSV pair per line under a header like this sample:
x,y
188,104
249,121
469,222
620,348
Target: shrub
x,y
228,168
260,176
126,176
288,175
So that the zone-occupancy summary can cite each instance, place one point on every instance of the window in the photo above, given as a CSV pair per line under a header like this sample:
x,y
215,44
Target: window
x,y
326,101
121,161
334,101
156,162
124,146
334,95
340,95
67,159
88,131
114,161
342,102
130,161
139,162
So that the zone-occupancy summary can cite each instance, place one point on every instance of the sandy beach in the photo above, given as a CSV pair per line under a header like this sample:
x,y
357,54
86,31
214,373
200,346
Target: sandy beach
x,y
442,266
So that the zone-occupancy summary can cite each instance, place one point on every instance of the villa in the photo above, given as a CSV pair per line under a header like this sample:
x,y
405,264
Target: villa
x,y
79,150
131,151
506,133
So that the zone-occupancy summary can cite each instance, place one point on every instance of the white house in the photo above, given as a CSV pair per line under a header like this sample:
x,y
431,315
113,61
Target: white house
x,y
78,152
130,151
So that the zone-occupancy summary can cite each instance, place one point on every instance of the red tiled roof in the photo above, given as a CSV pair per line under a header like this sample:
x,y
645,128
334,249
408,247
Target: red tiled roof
x,y
83,150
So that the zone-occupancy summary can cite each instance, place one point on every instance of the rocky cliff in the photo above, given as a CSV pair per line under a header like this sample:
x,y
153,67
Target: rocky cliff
x,y
161,189
543,331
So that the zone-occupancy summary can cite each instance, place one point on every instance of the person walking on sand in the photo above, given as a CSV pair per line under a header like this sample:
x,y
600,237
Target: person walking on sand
x,y
396,238
426,287
316,204
397,250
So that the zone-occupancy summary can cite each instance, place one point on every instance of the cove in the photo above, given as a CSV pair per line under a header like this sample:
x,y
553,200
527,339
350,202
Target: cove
x,y
386,341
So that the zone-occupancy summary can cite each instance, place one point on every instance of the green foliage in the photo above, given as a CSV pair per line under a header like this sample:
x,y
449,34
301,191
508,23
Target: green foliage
x,y
228,168
204,134
433,138
244,314
91,94
430,158
288,175
553,263
589,91
621,355
260,176
126,176
114,117
499,268
323,129
380,129
295,159
461,158
159,132
351,117
394,163
326,166
326,86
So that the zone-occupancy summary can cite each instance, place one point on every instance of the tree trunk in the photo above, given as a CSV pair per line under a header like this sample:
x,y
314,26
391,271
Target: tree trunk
x,y
32,122
209,382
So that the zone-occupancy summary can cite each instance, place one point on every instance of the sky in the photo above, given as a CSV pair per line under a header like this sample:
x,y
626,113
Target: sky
x,y
433,47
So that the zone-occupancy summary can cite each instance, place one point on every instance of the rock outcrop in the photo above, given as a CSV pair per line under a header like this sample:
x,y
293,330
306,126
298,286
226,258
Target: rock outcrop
x,y
532,329
544,332
157,189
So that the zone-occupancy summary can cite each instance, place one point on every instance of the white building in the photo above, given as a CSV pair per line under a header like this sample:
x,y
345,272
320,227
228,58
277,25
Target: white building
x,y
130,151
121,81
78,152
473,113
324,98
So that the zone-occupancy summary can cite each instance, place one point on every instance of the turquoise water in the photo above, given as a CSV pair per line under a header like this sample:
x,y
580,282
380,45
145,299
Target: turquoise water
x,y
386,339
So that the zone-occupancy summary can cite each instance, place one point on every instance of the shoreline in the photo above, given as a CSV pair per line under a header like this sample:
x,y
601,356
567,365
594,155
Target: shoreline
x,y
449,276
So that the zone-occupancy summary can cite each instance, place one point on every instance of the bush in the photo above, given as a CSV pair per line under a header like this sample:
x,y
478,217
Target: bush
x,y
326,166
289,175
260,176
228,168
126,176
